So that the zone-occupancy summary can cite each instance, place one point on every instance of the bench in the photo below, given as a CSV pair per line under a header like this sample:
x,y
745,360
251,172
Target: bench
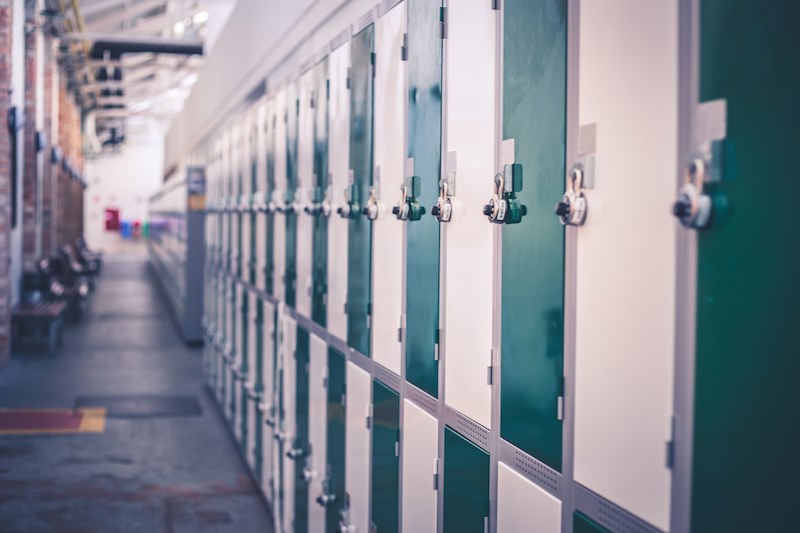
x,y
42,321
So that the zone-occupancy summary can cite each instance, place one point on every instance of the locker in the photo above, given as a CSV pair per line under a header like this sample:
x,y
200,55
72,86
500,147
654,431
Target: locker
x,y
422,189
230,349
359,228
245,214
238,367
466,485
746,363
316,462
332,495
420,436
305,179
286,429
385,487
319,195
532,172
252,384
269,403
523,507
339,164
583,524
252,189
389,147
292,115
300,451
621,431
261,199
355,511
270,149
468,247
279,192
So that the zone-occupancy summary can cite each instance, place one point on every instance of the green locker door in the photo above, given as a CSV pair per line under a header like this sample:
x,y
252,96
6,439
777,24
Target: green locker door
x,y
466,485
422,232
319,253
269,261
745,460
534,116
584,524
359,228
333,497
292,115
300,447
385,458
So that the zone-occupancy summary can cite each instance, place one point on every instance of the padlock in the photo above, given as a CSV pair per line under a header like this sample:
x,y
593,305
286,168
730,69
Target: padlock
x,y
693,208
372,209
571,210
443,210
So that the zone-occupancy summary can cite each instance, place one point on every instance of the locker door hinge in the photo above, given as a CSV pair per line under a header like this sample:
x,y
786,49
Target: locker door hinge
x,y
404,48
401,328
347,82
312,103
436,336
397,448
369,416
561,395
495,5
670,459
443,23
493,363
372,64
436,474
344,398
327,89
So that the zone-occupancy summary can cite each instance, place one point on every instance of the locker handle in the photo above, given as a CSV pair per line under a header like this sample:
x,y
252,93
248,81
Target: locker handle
x,y
693,208
571,210
372,209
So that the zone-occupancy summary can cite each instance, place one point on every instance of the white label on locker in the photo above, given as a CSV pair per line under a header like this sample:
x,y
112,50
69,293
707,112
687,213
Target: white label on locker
x,y
508,152
711,121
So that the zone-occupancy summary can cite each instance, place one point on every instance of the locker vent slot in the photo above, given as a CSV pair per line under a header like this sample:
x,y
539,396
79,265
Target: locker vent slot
x,y
609,515
470,429
540,473
422,399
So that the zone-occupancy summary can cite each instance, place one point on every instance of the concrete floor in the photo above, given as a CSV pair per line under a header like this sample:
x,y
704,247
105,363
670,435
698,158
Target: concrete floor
x,y
153,474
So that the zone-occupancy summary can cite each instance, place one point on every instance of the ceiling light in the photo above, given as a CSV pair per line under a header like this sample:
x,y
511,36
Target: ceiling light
x,y
200,17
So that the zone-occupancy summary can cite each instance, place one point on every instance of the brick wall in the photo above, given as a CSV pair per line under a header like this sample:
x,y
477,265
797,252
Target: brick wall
x,y
5,183
47,168
29,185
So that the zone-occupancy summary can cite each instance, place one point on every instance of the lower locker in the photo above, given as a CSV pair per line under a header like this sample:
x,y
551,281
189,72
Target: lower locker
x,y
252,383
332,497
420,451
230,327
316,461
584,524
466,485
355,516
524,507
300,451
285,423
238,398
385,487
268,401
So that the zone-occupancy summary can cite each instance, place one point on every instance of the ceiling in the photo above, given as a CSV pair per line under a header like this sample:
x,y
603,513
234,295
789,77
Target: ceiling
x,y
133,62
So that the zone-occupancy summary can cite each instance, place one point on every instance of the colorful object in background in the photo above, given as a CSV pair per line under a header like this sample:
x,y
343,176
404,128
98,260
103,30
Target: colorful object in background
x,y
112,220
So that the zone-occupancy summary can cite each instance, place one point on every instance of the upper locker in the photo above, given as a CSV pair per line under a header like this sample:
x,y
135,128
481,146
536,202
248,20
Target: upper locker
x,y
470,65
319,207
421,188
338,184
360,82
260,198
278,148
528,181
290,201
389,149
744,460
305,185
627,145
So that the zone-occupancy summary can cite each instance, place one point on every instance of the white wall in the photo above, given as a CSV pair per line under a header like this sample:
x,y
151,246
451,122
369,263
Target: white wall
x,y
125,181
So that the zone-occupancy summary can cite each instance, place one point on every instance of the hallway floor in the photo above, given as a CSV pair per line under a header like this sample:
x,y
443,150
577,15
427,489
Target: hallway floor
x,y
164,462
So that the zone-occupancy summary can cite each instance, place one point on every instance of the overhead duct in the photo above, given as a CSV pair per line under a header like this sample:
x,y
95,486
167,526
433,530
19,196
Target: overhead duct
x,y
116,48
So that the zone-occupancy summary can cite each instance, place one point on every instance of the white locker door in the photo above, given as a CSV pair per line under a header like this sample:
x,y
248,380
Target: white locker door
x,y
389,147
339,166
317,430
305,171
238,384
523,507
268,403
357,446
252,404
244,198
470,132
261,187
628,93
420,450
279,143
287,422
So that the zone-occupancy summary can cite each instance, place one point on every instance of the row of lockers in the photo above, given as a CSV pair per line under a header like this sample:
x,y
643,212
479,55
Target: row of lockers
x,y
372,210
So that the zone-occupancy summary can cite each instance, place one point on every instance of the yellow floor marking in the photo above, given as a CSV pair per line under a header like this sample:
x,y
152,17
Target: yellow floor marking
x,y
92,421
